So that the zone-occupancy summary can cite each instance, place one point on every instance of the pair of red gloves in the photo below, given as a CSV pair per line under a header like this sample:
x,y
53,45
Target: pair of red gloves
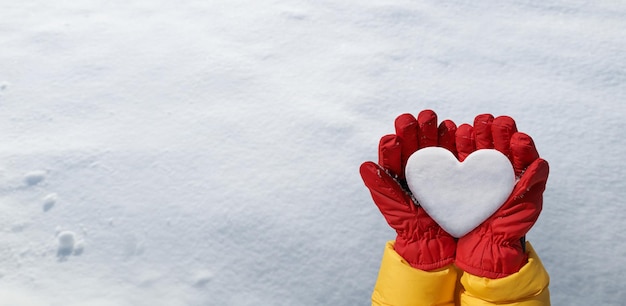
x,y
495,248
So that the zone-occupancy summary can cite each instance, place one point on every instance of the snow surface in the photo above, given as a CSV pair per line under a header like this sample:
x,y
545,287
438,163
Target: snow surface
x,y
207,152
459,196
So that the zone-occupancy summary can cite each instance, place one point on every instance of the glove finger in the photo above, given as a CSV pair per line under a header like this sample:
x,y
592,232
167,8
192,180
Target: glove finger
x,y
447,131
482,131
390,154
406,130
465,143
394,204
427,128
523,152
520,212
502,129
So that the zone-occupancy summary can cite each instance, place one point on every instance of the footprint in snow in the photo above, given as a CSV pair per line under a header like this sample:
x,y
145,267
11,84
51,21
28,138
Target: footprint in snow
x,y
34,177
49,201
68,245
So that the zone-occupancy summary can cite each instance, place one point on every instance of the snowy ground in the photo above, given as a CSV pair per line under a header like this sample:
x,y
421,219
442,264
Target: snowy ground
x,y
207,152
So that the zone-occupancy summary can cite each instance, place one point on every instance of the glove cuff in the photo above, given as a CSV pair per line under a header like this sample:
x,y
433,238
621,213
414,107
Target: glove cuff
x,y
427,253
488,259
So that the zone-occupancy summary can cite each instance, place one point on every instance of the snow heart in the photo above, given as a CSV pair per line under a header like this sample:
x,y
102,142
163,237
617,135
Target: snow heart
x,y
459,196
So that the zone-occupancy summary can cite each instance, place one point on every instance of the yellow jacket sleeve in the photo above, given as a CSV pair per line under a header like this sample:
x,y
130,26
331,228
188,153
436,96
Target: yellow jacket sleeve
x,y
528,287
400,284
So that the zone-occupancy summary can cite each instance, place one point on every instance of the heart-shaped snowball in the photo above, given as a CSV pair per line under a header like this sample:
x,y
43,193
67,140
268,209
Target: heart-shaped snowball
x,y
459,196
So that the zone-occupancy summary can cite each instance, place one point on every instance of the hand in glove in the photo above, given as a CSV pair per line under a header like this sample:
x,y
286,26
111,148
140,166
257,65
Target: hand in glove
x,y
495,248
420,240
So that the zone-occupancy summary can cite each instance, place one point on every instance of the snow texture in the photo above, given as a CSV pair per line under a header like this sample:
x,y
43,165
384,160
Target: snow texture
x,y
459,196
207,152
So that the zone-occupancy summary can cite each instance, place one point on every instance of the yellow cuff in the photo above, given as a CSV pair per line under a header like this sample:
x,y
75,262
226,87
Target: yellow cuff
x,y
400,284
528,287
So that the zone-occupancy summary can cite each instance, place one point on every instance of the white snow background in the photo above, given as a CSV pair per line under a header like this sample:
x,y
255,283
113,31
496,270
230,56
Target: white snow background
x,y
207,152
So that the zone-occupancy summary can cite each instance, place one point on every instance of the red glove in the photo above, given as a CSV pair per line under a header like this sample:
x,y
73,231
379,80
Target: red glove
x,y
420,240
496,248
